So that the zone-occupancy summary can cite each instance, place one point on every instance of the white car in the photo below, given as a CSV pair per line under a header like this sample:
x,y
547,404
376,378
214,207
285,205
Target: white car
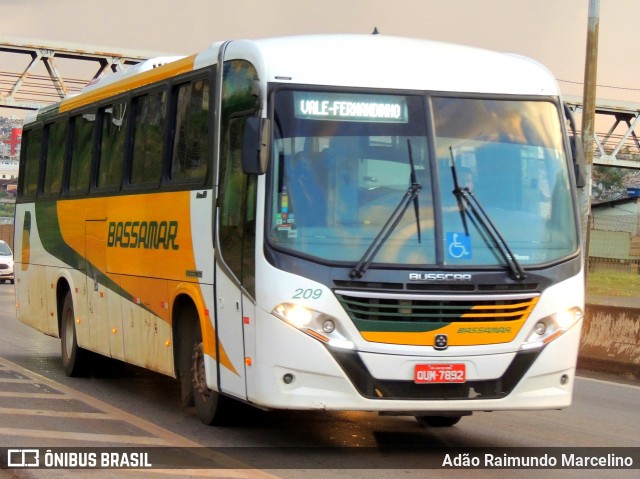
x,y
6,262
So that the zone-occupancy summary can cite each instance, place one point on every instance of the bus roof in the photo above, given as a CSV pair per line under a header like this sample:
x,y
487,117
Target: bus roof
x,y
369,61
379,61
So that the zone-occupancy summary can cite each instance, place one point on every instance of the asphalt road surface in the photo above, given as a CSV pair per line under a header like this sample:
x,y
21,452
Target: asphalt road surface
x,y
41,407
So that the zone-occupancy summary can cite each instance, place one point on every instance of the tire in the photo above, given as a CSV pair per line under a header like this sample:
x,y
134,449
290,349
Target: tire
x,y
438,421
187,322
212,408
75,360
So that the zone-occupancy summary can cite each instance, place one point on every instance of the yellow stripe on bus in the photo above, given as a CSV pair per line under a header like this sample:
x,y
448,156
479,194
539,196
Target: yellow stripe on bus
x,y
495,308
528,304
163,72
144,271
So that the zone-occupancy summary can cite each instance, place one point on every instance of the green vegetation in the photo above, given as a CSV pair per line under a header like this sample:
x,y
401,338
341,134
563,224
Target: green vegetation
x,y
7,209
7,206
613,283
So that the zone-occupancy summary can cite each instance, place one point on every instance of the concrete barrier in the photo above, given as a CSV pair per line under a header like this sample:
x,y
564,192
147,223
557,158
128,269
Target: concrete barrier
x,y
610,341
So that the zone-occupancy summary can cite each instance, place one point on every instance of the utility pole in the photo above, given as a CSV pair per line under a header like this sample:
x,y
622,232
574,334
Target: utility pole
x,y
588,117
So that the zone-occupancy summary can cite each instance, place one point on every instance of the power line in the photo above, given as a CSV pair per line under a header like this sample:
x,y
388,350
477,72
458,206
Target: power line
x,y
601,86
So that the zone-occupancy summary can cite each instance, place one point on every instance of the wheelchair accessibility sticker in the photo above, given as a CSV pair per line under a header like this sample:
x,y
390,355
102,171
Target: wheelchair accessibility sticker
x,y
458,246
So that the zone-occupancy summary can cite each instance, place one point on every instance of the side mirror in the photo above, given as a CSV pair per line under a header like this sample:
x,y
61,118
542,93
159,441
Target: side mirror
x,y
255,145
577,150
577,154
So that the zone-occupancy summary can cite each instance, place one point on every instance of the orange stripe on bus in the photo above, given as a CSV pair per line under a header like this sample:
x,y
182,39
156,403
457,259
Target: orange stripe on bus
x,y
146,78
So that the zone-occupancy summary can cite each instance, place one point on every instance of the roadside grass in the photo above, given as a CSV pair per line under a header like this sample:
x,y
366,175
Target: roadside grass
x,y
7,209
613,283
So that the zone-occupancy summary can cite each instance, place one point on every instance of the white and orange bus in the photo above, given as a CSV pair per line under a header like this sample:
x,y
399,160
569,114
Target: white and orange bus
x,y
325,222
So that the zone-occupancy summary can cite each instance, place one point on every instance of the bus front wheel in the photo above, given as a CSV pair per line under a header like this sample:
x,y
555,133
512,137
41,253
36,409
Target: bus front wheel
x,y
212,408
75,360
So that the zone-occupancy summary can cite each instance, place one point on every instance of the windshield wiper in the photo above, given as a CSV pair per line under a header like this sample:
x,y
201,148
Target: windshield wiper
x,y
469,204
392,222
414,183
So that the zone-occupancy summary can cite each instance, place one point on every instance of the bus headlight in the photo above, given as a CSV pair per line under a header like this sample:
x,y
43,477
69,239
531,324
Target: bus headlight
x,y
296,314
549,328
318,325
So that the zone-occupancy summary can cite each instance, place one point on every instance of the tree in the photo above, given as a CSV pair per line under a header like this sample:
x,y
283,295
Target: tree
x,y
609,183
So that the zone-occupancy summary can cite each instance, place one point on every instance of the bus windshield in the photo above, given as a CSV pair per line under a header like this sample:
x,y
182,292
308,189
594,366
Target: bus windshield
x,y
342,163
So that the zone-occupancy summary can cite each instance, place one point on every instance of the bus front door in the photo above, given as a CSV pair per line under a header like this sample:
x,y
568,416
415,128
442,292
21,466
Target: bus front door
x,y
230,334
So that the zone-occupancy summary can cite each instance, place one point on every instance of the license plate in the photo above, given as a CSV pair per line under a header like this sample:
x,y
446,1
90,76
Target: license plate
x,y
439,373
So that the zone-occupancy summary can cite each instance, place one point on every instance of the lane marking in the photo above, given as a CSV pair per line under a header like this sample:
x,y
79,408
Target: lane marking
x,y
48,413
19,381
34,395
84,436
161,437
69,393
609,383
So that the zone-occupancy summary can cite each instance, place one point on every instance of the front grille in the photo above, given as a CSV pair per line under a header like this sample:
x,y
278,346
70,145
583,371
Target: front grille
x,y
433,309
353,285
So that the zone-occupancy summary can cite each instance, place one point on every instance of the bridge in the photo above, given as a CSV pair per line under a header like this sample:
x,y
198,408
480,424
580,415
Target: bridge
x,y
31,72
620,145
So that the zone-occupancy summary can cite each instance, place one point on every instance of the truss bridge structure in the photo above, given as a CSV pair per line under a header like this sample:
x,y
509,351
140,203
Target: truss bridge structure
x,y
620,145
31,71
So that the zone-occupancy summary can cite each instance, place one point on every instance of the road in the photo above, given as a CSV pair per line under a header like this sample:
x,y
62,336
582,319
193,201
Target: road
x,y
41,407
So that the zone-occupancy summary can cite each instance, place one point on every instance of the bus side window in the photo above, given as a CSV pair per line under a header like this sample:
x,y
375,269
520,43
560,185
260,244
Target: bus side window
x,y
56,134
191,131
82,127
148,139
29,176
112,145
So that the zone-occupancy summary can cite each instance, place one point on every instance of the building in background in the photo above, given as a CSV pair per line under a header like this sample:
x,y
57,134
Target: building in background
x,y
8,168
615,234
10,139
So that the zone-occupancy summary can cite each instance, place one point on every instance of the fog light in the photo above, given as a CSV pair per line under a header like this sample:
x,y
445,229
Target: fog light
x,y
288,378
540,328
328,326
564,379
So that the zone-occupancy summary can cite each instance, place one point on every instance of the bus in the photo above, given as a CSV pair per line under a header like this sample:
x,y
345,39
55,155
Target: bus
x,y
325,222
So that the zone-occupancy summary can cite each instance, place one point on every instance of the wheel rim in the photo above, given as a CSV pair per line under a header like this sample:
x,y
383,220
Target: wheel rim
x,y
199,374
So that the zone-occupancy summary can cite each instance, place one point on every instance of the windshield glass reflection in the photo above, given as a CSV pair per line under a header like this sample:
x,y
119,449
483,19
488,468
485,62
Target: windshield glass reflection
x,y
341,166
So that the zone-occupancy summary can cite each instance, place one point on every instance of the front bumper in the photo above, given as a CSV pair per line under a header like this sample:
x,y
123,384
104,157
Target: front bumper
x,y
319,377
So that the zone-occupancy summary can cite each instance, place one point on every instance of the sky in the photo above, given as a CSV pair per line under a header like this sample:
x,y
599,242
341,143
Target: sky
x,y
552,32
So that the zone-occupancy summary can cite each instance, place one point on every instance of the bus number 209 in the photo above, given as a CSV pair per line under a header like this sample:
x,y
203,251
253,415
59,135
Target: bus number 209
x,y
307,293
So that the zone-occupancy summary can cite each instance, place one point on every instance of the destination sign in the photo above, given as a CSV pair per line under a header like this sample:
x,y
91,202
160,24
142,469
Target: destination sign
x,y
350,107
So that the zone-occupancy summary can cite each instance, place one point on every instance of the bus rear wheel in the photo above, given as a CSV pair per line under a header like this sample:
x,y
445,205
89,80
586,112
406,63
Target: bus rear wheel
x,y
212,408
438,421
75,360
